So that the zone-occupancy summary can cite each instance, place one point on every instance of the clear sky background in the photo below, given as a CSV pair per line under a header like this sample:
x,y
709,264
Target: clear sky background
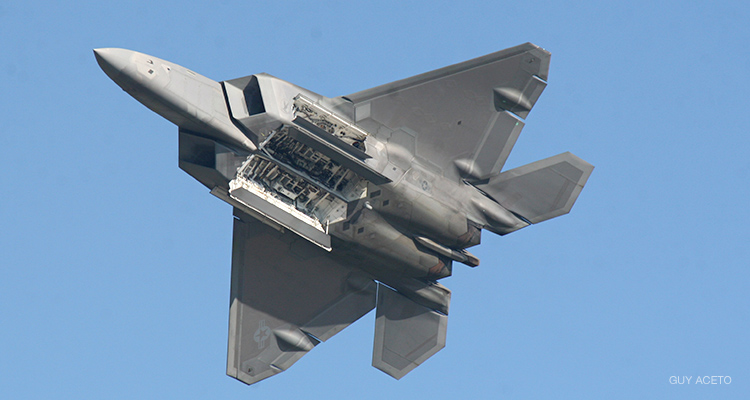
x,y
115,264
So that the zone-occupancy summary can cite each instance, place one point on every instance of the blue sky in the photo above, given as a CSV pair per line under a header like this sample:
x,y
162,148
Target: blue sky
x,y
114,264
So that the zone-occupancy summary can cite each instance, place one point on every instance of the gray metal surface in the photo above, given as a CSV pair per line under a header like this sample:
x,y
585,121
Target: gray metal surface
x,y
458,112
189,100
541,190
331,195
278,215
286,296
406,333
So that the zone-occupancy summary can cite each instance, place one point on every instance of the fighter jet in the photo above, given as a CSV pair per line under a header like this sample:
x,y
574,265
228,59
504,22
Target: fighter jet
x,y
350,203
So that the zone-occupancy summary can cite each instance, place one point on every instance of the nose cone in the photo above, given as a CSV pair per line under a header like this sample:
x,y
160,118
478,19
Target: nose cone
x,y
113,61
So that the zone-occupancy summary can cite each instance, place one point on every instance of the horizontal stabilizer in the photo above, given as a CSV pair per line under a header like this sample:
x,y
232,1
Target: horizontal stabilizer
x,y
406,333
541,190
287,296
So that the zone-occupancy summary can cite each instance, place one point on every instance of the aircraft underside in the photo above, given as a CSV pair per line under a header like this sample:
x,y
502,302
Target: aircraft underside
x,y
364,201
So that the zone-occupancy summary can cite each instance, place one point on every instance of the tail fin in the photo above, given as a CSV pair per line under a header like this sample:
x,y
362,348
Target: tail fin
x,y
541,190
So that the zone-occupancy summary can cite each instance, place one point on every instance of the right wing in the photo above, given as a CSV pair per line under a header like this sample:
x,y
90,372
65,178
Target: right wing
x,y
287,295
465,118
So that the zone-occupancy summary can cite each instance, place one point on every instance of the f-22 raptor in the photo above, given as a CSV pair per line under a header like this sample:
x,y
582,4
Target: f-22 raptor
x,y
364,201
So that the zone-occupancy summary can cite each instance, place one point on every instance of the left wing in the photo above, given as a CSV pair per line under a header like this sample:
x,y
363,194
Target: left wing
x,y
287,296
